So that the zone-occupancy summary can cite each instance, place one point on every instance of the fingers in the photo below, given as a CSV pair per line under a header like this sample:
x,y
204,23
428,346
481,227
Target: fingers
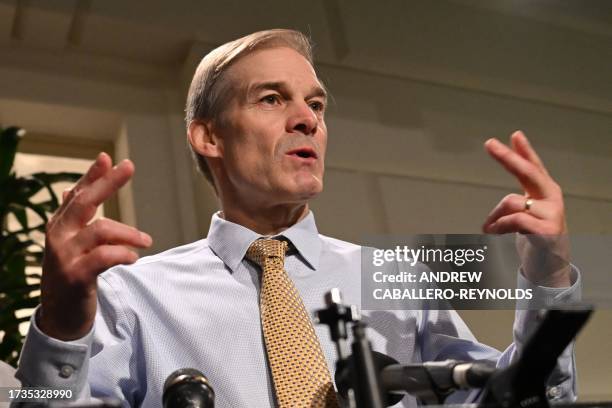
x,y
99,167
547,214
510,204
517,222
82,202
102,258
513,204
112,181
73,264
106,231
76,253
533,180
521,145
539,217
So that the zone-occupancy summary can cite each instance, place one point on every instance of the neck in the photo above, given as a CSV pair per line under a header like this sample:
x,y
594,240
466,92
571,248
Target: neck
x,y
266,221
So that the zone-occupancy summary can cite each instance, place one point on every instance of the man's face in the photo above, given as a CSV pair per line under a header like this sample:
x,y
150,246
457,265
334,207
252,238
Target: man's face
x,y
273,130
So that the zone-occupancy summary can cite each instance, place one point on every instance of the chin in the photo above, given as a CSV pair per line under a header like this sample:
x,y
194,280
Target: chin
x,y
312,187
300,189
309,195
305,193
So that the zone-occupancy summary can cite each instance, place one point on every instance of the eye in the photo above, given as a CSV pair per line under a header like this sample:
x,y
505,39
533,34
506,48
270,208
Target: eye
x,y
271,99
317,106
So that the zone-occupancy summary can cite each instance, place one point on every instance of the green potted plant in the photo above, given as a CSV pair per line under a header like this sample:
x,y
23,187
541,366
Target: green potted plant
x,y
18,248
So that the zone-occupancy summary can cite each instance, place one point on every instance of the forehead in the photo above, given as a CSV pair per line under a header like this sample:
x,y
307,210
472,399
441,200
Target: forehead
x,y
281,64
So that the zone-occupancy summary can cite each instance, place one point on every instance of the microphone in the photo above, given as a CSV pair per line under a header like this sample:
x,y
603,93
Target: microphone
x,y
444,375
431,382
523,383
473,375
188,388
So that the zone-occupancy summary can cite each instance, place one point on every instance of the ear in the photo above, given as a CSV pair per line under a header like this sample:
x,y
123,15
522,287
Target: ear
x,y
204,140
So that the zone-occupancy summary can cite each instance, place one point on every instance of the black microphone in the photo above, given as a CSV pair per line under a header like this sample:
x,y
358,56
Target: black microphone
x,y
523,383
445,375
188,388
474,374
431,382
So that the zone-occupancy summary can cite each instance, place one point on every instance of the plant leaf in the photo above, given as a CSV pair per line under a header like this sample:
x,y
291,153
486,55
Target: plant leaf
x,y
20,290
9,139
48,179
40,228
16,252
22,218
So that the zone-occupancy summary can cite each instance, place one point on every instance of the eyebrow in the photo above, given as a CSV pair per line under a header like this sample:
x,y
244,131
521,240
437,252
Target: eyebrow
x,y
280,86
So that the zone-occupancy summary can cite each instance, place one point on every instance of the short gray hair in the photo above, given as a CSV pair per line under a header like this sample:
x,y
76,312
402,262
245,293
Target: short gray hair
x,y
206,101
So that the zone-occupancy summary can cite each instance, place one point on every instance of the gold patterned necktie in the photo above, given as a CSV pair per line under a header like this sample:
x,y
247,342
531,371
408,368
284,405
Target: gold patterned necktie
x,y
300,373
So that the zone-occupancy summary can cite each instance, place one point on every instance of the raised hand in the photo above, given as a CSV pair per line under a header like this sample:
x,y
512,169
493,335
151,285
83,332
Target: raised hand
x,y
77,251
538,215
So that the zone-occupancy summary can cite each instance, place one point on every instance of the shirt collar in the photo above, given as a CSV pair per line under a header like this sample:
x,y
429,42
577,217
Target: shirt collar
x,y
230,241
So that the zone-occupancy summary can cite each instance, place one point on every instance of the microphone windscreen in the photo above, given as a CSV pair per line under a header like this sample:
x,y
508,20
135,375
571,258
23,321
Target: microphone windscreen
x,y
187,388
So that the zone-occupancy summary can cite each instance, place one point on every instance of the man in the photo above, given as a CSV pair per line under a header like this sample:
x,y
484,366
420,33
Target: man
x,y
256,125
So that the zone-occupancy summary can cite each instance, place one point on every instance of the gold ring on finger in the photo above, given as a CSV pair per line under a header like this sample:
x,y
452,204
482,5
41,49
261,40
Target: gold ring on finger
x,y
528,204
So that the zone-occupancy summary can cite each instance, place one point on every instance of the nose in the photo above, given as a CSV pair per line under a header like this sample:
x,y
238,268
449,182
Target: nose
x,y
302,119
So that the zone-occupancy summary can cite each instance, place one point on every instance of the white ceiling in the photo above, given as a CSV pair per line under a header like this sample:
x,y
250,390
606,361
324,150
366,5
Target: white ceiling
x,y
157,42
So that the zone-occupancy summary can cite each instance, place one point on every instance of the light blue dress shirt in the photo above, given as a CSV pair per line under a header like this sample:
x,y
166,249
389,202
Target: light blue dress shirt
x,y
197,306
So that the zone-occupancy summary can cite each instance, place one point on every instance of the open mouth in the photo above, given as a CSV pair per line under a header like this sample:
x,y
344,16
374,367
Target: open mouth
x,y
303,153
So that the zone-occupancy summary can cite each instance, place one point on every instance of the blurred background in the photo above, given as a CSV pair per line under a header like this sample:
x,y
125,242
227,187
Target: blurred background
x,y
417,87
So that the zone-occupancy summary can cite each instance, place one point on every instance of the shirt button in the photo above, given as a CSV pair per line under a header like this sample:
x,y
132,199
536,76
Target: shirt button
x,y
66,371
553,392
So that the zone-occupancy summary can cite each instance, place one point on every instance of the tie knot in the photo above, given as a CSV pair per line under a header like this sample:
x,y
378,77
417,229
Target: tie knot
x,y
262,249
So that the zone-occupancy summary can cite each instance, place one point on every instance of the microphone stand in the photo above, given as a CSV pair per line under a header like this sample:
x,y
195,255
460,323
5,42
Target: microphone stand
x,y
358,372
368,379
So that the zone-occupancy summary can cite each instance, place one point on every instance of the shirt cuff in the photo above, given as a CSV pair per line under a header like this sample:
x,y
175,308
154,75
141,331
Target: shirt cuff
x,y
546,297
49,362
562,383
